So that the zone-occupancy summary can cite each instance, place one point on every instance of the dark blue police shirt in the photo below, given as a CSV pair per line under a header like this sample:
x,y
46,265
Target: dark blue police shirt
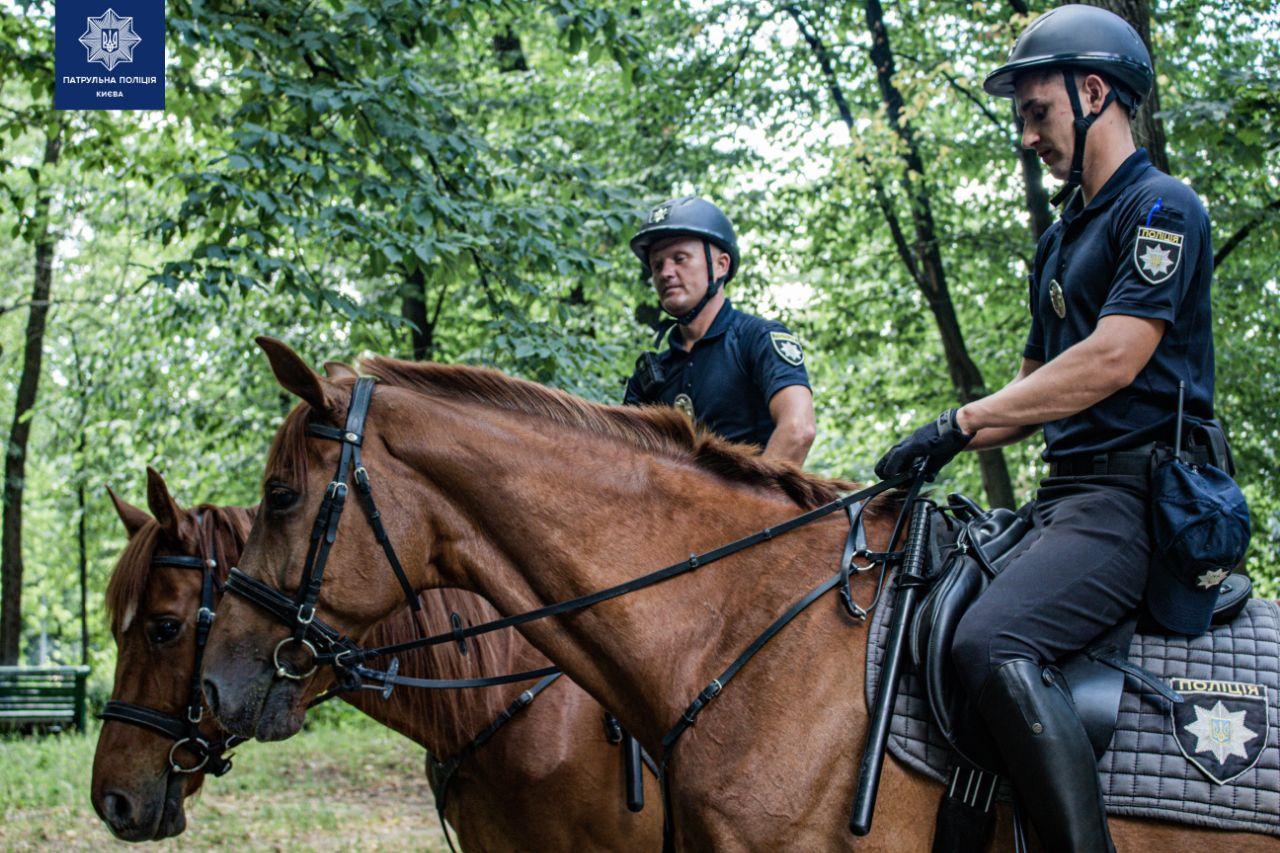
x,y
1142,248
730,374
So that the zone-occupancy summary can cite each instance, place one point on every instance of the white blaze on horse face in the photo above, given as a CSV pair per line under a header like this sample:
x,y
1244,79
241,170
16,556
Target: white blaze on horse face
x,y
130,612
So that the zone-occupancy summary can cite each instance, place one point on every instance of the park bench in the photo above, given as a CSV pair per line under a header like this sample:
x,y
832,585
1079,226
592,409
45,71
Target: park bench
x,y
45,697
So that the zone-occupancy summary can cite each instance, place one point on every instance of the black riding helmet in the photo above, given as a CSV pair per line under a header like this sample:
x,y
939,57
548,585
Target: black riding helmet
x,y
690,217
1079,38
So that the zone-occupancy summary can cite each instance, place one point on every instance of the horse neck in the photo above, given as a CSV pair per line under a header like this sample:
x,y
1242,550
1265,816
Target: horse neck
x,y
538,519
443,721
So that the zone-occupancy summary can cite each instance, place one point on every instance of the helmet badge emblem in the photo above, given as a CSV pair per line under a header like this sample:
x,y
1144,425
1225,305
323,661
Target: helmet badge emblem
x,y
660,213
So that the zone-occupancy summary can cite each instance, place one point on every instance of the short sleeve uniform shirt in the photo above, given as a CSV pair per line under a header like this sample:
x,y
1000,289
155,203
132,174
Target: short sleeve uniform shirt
x,y
1142,248
726,380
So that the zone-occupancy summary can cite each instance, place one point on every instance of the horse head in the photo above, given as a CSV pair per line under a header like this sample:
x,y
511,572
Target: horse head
x,y
150,755
251,651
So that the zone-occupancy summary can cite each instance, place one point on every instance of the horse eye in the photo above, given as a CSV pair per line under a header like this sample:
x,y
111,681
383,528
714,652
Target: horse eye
x,y
280,497
163,631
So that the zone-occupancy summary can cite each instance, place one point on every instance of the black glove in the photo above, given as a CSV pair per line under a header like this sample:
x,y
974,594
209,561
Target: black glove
x,y
937,442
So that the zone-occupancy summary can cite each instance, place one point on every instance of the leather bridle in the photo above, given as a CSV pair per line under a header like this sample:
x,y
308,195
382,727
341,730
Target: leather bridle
x,y
184,730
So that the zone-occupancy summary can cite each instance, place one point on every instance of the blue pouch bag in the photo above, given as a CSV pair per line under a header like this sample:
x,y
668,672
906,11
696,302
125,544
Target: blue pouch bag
x,y
1200,530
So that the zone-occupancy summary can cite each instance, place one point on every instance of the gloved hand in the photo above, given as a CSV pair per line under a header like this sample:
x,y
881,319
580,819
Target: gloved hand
x,y
937,442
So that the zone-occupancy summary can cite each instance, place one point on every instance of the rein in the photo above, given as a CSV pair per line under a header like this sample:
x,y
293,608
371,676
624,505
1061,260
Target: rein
x,y
184,731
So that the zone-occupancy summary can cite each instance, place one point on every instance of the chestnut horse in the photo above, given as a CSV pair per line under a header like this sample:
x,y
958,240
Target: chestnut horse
x,y
531,496
554,750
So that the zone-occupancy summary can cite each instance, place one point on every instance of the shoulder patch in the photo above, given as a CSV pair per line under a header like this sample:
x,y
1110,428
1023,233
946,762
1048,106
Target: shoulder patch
x,y
787,347
1157,254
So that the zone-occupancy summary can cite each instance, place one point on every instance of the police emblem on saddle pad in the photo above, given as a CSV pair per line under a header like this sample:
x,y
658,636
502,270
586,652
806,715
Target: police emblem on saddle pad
x,y
787,348
1222,727
1157,254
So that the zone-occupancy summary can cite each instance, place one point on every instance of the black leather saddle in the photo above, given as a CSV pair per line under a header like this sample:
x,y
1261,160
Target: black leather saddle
x,y
962,571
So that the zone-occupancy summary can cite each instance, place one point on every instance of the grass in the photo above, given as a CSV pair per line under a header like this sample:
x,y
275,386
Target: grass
x,y
343,783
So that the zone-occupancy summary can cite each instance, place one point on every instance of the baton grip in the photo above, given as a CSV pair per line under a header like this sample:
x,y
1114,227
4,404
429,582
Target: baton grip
x,y
633,766
864,802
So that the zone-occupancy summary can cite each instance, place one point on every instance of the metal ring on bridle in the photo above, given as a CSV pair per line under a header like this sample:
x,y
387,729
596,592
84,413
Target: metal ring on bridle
x,y
204,755
283,671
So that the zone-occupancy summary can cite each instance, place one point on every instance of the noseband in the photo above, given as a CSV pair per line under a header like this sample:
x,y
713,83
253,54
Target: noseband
x,y
184,731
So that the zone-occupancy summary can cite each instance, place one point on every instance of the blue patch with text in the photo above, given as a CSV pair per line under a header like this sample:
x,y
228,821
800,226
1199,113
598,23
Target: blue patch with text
x,y
109,55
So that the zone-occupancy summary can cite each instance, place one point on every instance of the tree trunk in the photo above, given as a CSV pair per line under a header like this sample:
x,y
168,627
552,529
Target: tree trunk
x,y
966,378
15,462
414,309
1037,196
1148,130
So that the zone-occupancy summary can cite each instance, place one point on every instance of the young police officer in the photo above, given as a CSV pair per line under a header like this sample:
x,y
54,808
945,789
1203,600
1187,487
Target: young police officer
x,y
1119,314
741,376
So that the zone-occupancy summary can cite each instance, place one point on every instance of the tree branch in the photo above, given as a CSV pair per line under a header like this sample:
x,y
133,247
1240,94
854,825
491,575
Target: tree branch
x,y
1244,231
823,56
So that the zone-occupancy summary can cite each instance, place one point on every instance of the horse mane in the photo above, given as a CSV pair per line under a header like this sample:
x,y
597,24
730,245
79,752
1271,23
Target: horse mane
x,y
222,532
658,430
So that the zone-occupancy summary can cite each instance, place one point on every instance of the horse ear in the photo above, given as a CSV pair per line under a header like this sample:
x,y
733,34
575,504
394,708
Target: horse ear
x,y
338,370
297,377
163,506
133,518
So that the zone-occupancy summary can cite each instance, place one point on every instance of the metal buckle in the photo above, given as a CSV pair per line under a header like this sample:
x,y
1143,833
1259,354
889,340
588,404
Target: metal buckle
x,y
310,610
336,489
198,717
203,752
283,671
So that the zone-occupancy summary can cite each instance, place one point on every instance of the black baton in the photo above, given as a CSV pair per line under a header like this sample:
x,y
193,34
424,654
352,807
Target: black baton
x,y
864,802
634,769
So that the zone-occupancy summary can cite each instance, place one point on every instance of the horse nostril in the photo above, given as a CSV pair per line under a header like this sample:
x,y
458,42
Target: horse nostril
x,y
210,695
118,809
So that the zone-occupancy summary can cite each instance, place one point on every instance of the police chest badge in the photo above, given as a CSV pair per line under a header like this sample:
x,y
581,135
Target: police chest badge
x,y
787,348
684,403
1221,727
1157,254
1058,299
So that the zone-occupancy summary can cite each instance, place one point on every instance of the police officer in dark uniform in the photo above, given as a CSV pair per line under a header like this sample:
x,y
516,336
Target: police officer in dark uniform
x,y
741,376
1120,314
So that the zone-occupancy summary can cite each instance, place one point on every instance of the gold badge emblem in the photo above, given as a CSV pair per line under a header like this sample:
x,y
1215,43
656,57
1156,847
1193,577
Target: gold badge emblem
x,y
684,403
1056,297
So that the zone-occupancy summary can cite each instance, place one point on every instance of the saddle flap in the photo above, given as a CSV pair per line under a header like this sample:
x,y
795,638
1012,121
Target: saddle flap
x,y
980,552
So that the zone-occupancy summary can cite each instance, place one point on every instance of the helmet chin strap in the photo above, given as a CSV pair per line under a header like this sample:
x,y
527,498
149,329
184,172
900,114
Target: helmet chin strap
x,y
713,285
1081,125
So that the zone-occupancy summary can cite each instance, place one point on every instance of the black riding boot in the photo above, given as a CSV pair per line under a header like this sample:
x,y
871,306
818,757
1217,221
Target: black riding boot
x,y
1047,755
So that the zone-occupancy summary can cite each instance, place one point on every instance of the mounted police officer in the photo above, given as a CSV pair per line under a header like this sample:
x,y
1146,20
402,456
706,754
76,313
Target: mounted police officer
x,y
741,376
1120,314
